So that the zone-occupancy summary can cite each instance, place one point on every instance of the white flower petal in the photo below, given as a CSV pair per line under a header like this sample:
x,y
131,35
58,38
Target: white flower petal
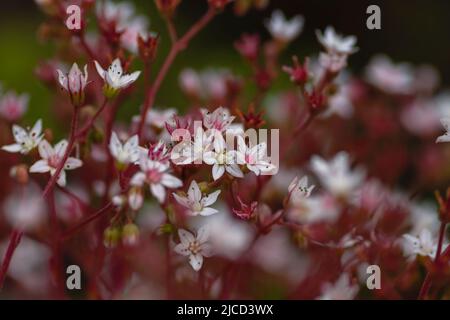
x,y
186,237
194,192
12,148
158,191
217,171
45,149
170,181
210,198
72,163
196,261
40,166
207,211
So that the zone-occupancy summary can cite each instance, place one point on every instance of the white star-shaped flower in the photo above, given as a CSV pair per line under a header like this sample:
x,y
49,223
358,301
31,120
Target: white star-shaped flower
x,y
255,158
74,82
221,159
336,43
336,174
195,247
197,203
156,175
446,136
114,77
299,189
219,119
283,29
423,245
51,159
187,151
342,289
26,139
124,153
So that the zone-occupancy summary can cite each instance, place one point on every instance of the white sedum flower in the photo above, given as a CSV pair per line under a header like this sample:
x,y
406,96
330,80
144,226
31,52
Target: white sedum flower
x,y
283,29
255,158
423,245
26,139
114,77
446,136
342,289
124,153
335,43
74,82
220,119
155,174
299,189
195,247
197,203
222,160
51,159
336,174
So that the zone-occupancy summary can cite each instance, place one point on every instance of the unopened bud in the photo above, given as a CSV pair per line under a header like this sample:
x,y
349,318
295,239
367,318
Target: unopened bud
x,y
111,237
20,173
135,198
130,234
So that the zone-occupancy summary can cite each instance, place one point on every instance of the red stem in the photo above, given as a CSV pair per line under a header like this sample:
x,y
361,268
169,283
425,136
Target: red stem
x,y
14,240
427,281
51,183
177,47
69,233
91,121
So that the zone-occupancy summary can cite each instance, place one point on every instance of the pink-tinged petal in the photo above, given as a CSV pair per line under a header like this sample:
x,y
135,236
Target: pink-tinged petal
x,y
182,200
60,148
170,181
138,179
40,166
62,179
72,163
182,249
210,198
186,237
144,161
207,250
115,146
196,261
158,192
242,147
194,192
19,133
234,170
12,148
62,79
217,171
85,78
45,149
100,70
202,234
207,211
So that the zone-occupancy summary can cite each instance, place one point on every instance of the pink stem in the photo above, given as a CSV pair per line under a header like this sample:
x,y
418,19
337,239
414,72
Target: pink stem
x,y
14,240
177,46
69,233
427,282
51,183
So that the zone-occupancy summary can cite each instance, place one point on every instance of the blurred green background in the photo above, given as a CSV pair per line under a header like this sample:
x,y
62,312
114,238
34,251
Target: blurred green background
x,y
412,30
